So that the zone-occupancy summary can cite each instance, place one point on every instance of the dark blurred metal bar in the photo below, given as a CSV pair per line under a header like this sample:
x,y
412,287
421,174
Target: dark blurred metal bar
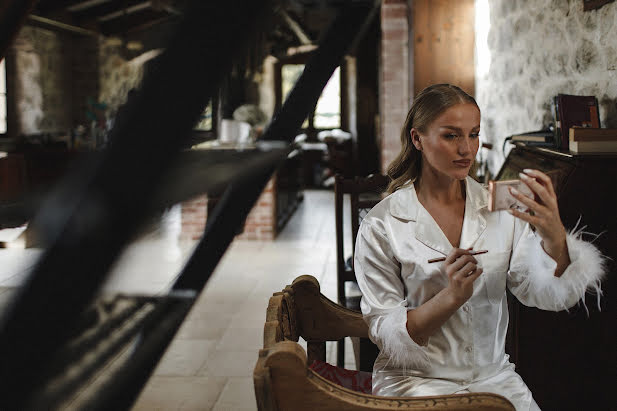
x,y
96,212
90,218
233,208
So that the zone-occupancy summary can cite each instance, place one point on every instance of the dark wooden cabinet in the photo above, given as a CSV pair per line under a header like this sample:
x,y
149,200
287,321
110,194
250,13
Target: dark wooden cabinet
x,y
569,359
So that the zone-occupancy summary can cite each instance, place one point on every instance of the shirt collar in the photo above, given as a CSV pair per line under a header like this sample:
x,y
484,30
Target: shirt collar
x,y
404,203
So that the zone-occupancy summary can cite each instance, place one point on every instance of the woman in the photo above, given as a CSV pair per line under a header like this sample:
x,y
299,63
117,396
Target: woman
x,y
441,327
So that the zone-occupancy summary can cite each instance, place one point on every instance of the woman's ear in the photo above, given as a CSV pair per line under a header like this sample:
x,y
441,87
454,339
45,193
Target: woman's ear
x,y
415,139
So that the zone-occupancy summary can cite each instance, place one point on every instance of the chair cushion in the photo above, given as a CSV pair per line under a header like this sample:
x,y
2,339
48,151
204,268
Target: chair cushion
x,y
359,381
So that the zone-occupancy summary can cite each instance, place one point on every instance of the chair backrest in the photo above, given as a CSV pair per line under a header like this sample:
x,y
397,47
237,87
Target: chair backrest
x,y
364,194
300,310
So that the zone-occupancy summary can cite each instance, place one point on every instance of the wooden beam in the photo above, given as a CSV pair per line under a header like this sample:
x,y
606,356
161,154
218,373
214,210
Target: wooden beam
x,y
104,9
53,6
129,22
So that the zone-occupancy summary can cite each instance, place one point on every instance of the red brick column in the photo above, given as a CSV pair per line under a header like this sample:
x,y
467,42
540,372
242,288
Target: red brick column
x,y
261,221
194,215
394,80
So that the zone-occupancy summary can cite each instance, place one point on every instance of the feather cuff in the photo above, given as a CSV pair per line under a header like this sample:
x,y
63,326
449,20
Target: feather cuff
x,y
397,345
585,272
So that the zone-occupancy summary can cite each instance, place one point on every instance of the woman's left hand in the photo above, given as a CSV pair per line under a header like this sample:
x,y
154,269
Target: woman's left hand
x,y
545,217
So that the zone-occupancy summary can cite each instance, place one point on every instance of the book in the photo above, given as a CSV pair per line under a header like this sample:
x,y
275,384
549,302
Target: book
x,y
593,146
575,111
536,138
593,140
592,134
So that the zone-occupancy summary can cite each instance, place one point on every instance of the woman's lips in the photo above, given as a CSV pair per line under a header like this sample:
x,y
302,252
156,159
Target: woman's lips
x,y
463,163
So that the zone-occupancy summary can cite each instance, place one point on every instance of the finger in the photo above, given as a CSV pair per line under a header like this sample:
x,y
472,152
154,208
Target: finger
x,y
540,190
533,220
467,270
457,265
530,203
546,180
455,254
475,274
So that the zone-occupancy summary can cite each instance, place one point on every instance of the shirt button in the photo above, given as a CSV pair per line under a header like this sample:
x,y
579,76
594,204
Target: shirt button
x,y
469,349
466,308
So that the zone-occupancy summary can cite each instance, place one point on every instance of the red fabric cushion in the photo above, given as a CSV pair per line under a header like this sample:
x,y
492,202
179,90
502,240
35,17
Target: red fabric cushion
x,y
360,381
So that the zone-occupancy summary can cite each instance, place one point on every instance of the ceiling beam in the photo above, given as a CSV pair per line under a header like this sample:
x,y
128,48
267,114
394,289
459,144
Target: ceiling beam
x,y
53,6
132,21
104,9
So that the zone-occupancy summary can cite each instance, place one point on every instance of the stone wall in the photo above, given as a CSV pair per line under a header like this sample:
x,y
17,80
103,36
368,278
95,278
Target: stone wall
x,y
120,72
42,98
53,76
537,50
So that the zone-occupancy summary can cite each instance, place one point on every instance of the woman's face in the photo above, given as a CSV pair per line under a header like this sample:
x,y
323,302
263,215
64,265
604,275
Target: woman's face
x,y
450,143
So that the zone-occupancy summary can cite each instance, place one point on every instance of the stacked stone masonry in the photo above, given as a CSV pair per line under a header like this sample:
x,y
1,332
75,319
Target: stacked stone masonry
x,y
537,50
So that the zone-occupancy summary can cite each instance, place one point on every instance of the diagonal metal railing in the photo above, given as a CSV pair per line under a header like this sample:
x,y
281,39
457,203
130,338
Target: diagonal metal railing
x,y
91,216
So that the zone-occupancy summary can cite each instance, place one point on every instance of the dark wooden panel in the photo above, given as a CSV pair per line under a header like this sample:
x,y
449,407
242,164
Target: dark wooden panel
x,y
572,352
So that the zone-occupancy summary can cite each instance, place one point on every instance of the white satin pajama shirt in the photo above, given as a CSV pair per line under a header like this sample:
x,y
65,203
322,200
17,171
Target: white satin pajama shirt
x,y
467,354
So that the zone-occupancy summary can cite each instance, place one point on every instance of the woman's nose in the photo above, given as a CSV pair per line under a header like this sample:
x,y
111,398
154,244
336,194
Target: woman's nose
x,y
464,145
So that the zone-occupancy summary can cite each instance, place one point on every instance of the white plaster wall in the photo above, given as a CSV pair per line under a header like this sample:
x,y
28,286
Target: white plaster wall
x,y
540,48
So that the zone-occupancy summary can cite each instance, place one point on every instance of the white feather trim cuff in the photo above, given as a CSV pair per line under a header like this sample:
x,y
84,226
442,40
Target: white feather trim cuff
x,y
585,272
397,345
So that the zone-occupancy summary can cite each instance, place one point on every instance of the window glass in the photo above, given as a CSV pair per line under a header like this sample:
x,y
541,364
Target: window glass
x,y
328,110
289,75
205,120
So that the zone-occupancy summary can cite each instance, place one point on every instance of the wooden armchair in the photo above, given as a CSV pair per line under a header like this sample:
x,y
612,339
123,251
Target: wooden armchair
x,y
284,381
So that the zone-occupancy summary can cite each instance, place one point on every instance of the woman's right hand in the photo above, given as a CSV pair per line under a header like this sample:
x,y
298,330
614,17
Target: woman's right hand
x,y
462,270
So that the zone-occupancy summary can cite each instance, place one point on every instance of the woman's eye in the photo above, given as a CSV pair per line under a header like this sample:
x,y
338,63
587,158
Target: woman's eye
x,y
474,135
451,136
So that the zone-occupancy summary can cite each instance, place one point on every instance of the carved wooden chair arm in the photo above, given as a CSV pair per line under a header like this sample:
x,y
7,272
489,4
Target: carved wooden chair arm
x,y
283,381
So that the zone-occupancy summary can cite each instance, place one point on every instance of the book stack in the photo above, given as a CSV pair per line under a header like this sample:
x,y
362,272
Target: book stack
x,y
574,111
542,138
593,140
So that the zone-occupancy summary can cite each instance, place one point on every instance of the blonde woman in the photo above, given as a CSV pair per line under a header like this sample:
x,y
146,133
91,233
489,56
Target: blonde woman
x,y
441,327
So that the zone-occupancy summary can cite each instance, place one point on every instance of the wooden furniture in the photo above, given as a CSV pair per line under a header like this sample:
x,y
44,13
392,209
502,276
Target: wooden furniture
x,y
571,352
283,380
364,193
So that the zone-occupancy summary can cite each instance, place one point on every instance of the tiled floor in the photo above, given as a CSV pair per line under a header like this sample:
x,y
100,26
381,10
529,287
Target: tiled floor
x,y
209,364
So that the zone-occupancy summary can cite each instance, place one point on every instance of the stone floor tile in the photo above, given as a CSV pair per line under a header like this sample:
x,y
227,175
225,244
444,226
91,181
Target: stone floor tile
x,y
224,363
238,395
180,393
184,358
240,339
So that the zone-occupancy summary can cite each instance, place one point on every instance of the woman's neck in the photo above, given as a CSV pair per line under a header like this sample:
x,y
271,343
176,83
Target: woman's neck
x,y
432,186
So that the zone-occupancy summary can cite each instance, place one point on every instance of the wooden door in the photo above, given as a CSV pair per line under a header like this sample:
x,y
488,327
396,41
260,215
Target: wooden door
x,y
444,39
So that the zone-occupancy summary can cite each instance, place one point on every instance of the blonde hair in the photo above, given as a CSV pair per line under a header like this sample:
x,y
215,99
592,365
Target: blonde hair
x,y
426,107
